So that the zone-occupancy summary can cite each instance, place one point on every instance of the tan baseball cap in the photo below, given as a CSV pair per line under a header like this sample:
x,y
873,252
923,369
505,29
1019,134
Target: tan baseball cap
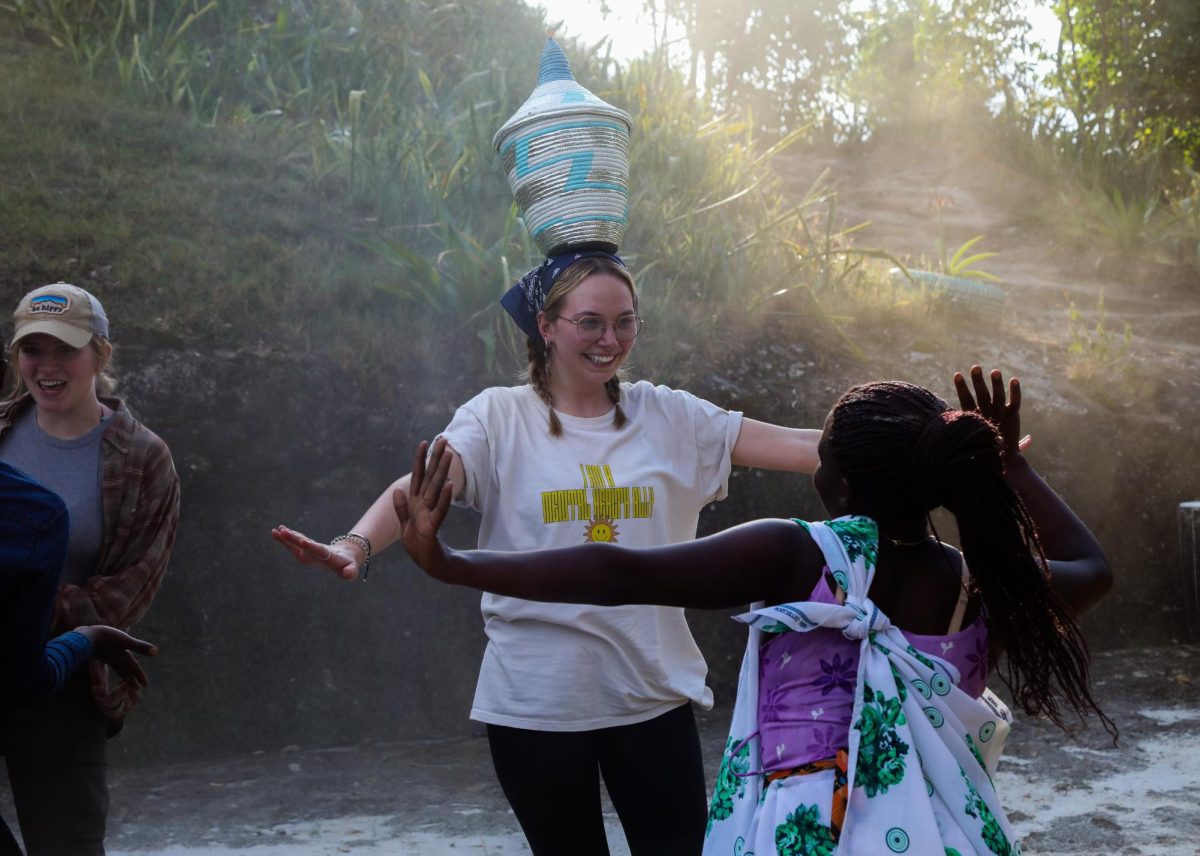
x,y
63,311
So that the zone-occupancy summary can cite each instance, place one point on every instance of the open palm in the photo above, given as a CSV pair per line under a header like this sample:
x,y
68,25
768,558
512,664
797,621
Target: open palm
x,y
1003,411
423,509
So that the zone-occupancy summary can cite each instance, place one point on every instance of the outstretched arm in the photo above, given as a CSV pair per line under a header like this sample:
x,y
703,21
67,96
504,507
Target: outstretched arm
x,y
771,560
773,447
1079,570
378,525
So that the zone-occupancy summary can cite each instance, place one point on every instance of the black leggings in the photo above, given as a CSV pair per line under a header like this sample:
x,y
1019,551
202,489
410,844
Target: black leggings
x,y
653,772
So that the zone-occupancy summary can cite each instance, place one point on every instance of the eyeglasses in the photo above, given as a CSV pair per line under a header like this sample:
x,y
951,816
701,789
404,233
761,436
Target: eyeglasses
x,y
592,327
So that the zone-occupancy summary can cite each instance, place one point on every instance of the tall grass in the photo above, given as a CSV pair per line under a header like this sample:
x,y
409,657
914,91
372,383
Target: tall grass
x,y
391,105
1137,201
729,231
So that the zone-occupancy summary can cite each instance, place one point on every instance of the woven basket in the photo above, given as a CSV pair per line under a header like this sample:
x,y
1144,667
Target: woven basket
x,y
566,154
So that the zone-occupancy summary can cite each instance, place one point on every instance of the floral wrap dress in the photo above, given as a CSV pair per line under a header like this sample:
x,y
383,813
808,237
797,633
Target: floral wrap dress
x,y
922,752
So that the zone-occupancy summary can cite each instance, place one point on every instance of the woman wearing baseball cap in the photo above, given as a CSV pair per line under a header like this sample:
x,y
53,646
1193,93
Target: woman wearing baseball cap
x,y
59,424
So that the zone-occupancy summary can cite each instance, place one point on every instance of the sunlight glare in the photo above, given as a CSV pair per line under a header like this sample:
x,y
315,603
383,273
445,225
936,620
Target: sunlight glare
x,y
631,28
627,24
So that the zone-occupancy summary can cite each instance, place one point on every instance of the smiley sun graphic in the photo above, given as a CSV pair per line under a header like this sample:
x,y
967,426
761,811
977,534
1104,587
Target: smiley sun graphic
x,y
601,529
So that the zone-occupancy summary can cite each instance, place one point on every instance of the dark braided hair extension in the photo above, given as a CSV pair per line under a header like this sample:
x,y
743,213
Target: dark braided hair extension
x,y
538,370
902,448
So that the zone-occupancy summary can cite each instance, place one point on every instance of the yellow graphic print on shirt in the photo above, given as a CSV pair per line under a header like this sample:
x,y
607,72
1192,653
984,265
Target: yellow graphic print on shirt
x,y
600,503
601,529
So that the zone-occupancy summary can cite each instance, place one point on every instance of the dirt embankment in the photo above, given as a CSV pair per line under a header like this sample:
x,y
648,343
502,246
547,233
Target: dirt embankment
x,y
1116,435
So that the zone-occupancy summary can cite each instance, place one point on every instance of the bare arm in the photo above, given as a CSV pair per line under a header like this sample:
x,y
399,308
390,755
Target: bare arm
x,y
750,562
1079,570
378,525
773,447
771,560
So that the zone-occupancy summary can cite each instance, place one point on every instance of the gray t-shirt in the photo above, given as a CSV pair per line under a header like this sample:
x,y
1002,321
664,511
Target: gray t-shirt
x,y
70,468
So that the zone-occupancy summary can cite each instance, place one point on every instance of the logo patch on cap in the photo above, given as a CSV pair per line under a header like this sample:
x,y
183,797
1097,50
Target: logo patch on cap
x,y
51,304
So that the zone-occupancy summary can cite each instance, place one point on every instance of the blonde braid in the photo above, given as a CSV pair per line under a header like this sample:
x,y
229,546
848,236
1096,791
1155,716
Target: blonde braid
x,y
537,377
613,385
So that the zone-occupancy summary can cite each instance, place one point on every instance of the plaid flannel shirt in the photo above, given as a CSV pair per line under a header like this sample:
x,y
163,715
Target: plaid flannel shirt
x,y
140,497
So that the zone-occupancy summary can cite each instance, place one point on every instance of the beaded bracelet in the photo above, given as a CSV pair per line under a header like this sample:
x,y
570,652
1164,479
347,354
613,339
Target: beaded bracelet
x,y
364,544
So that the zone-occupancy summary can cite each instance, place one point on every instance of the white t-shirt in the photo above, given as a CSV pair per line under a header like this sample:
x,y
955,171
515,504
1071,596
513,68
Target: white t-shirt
x,y
574,667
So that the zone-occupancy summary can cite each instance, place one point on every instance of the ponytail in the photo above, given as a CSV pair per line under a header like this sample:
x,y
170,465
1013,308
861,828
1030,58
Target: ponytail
x,y
960,456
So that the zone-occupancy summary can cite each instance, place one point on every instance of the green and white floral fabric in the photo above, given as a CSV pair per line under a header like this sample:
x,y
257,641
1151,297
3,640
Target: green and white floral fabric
x,y
921,751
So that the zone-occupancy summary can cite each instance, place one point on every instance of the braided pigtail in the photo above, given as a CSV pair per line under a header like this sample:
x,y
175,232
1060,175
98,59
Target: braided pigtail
x,y
613,385
539,370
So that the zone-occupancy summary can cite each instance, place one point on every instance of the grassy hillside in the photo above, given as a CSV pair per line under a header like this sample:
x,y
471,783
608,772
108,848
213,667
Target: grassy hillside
x,y
339,193
323,181
192,233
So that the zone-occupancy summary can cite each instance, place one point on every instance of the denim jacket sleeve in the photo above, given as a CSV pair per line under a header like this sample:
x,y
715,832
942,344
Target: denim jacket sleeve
x,y
33,545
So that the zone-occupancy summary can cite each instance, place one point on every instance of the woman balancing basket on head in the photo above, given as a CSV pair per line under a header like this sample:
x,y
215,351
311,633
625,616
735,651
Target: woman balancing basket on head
x,y
575,693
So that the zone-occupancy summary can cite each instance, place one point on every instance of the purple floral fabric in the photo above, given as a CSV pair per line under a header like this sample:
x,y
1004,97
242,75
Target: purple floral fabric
x,y
806,685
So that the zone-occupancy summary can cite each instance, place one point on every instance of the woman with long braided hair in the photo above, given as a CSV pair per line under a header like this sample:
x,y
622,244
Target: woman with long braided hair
x,y
571,694
954,465
863,723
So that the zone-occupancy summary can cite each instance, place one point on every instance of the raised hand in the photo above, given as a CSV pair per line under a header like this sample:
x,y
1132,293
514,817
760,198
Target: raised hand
x,y
992,404
423,509
116,648
342,559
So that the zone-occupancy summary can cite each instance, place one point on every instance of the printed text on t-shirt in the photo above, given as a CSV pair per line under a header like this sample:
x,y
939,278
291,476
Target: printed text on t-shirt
x,y
600,498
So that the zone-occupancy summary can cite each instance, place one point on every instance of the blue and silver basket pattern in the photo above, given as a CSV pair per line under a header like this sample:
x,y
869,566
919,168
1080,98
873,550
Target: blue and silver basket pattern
x,y
566,154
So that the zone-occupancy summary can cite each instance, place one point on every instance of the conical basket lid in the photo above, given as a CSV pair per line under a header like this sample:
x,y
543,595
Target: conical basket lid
x,y
557,93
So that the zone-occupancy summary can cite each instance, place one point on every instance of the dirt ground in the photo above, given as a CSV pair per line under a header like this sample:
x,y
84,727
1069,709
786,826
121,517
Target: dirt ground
x,y
1065,793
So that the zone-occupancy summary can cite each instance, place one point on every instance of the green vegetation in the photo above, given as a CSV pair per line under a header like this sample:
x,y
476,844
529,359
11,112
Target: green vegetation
x,y
321,172
1099,359
190,234
1110,113
959,263
963,265
324,174
315,131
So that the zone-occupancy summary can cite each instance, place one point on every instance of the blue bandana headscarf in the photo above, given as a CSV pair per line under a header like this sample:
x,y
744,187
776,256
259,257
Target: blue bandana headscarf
x,y
527,297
